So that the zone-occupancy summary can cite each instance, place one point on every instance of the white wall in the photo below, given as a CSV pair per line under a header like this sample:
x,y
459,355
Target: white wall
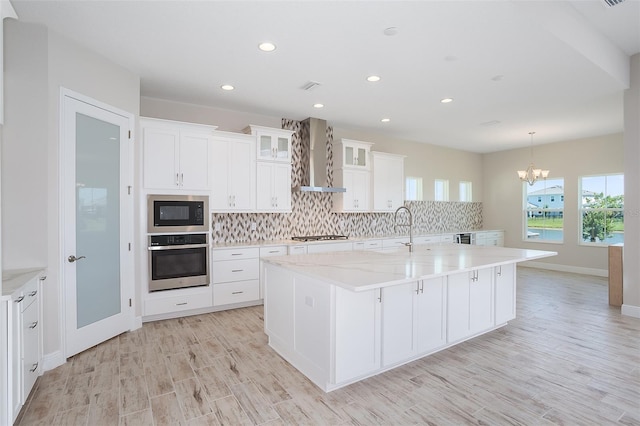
x,y
35,56
569,160
631,266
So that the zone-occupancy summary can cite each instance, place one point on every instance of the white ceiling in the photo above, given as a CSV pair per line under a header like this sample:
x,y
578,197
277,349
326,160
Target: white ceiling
x,y
563,64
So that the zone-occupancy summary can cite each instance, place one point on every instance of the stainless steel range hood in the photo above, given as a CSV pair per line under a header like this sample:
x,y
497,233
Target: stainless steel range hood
x,y
314,157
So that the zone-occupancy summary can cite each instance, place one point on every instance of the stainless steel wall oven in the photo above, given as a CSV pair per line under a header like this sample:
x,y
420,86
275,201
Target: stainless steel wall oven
x,y
178,261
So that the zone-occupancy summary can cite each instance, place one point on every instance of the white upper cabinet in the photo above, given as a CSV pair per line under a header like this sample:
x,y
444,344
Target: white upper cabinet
x,y
273,187
271,144
387,181
6,11
357,194
233,171
352,154
175,155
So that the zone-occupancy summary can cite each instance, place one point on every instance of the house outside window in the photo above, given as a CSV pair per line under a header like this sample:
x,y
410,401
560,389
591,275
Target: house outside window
x,y
465,191
413,187
543,212
441,192
601,209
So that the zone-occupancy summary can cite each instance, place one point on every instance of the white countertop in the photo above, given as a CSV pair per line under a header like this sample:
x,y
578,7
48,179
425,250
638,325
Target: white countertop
x,y
367,270
13,279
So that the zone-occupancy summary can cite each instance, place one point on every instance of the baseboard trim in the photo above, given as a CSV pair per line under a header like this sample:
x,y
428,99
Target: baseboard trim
x,y
630,310
566,268
52,360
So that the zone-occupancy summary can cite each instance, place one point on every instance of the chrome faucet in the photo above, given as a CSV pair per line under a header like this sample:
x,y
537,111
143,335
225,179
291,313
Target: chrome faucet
x,y
410,225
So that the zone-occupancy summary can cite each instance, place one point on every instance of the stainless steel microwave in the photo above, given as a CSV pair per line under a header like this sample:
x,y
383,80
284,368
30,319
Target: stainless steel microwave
x,y
177,213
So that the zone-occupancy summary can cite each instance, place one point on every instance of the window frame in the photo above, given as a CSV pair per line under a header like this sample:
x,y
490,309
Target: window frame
x,y
582,210
418,187
445,189
465,187
528,211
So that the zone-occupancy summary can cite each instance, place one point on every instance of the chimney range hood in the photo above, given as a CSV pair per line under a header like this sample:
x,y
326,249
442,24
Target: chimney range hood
x,y
314,157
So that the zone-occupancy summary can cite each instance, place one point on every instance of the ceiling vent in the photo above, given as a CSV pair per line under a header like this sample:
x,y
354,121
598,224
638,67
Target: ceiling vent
x,y
310,85
612,3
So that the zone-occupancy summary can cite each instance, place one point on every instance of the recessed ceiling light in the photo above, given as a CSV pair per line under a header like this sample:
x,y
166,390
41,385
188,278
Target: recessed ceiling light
x,y
373,78
391,31
446,100
318,105
227,87
267,46
385,120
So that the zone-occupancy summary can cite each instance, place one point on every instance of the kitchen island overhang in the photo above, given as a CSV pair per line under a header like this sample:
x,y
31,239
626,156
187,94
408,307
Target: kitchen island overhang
x,y
345,316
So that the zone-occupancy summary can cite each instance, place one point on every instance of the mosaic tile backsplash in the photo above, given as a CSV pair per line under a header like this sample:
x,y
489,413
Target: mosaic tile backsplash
x,y
311,211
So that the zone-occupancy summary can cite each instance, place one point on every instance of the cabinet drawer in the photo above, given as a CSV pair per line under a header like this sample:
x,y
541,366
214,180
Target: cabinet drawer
x,y
367,245
30,292
432,239
177,303
301,249
236,270
239,253
31,367
393,243
238,292
273,251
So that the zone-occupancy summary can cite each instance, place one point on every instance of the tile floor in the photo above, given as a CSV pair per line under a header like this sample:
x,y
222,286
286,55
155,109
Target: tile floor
x,y
567,359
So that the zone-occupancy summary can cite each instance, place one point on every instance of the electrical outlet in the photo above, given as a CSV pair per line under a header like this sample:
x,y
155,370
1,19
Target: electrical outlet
x,y
253,226
216,227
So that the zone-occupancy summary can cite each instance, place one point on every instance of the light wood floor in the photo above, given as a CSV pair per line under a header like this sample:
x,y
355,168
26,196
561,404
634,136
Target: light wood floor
x,y
568,359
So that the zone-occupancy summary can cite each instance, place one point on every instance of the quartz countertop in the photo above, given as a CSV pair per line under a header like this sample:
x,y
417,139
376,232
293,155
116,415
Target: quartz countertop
x,y
13,279
289,242
368,270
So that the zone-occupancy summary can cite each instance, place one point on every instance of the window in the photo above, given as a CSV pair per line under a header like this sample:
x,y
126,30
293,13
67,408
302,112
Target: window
x,y
414,188
602,209
543,216
441,190
465,191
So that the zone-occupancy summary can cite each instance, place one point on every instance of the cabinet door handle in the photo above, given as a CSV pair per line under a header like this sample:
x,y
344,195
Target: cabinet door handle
x,y
181,179
499,271
380,295
33,293
421,287
34,325
177,179
19,299
34,368
417,288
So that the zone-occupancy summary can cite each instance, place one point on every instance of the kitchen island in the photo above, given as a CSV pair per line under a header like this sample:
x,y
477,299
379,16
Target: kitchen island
x,y
342,317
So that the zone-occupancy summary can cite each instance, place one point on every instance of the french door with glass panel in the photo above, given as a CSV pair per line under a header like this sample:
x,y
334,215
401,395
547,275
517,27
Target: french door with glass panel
x,y
97,221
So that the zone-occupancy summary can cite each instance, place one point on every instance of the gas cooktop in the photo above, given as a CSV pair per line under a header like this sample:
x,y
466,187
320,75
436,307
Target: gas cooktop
x,y
320,238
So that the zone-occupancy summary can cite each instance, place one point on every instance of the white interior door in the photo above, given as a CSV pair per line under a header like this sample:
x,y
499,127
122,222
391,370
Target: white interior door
x,y
97,221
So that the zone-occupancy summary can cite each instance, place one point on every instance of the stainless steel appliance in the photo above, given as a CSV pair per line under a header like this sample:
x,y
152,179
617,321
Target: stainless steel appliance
x,y
178,261
319,238
465,238
177,213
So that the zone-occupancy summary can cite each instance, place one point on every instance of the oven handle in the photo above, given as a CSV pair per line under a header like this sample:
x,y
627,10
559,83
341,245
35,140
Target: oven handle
x,y
178,247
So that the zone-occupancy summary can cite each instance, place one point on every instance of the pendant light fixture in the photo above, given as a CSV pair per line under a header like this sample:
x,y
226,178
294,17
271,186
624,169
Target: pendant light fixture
x,y
531,175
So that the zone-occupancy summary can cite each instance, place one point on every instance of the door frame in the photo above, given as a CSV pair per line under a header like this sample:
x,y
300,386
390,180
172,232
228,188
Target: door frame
x,y
128,268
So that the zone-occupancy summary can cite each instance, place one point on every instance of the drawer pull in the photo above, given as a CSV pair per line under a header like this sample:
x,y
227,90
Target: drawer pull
x,y
33,293
182,303
237,270
274,251
237,292
19,299
236,254
34,368
34,325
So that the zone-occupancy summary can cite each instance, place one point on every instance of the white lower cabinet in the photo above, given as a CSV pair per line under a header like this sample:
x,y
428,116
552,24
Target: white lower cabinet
x,y
235,274
413,320
172,301
22,329
356,334
469,303
268,252
505,289
329,247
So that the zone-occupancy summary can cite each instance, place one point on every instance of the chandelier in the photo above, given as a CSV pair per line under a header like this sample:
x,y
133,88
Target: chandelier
x,y
531,175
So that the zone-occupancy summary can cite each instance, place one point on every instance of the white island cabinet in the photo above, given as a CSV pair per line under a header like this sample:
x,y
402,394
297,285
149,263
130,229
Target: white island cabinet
x,y
342,317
